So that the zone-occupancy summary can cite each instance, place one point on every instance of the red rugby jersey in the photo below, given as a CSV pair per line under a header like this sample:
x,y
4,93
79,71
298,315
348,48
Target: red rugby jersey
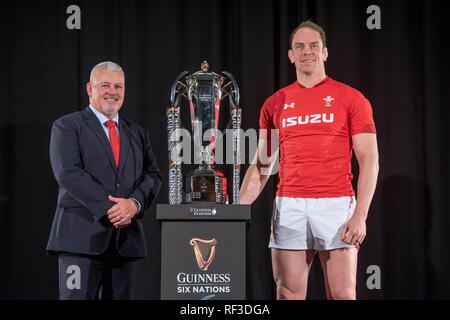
x,y
315,128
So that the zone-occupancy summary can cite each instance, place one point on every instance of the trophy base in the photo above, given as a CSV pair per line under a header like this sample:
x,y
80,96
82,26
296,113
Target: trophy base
x,y
204,186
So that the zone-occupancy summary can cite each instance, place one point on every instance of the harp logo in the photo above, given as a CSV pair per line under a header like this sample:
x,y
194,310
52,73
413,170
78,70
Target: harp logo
x,y
204,251
203,281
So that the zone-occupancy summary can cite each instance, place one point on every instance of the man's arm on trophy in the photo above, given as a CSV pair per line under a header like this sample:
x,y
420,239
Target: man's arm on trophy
x,y
258,173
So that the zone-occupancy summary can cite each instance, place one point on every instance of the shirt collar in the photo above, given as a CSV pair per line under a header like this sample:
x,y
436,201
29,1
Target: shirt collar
x,y
102,118
316,85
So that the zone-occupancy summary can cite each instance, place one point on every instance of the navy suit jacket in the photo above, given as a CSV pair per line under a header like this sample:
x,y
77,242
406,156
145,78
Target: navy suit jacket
x,y
84,167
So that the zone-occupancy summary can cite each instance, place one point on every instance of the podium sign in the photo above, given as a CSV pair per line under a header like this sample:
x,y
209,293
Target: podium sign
x,y
203,251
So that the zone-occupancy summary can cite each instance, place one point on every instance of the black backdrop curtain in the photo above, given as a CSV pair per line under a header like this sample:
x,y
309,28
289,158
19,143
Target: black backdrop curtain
x,y
401,68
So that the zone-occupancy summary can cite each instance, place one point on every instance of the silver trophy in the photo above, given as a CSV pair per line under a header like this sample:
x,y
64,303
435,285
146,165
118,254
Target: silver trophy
x,y
204,90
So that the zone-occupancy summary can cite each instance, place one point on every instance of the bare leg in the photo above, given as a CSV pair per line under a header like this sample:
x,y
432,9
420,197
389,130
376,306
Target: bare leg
x,y
339,271
290,272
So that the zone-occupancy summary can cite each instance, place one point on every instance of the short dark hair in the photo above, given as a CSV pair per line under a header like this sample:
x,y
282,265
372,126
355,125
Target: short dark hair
x,y
311,25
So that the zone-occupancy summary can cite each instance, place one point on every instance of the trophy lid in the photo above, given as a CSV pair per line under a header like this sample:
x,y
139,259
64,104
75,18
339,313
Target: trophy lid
x,y
204,66
205,74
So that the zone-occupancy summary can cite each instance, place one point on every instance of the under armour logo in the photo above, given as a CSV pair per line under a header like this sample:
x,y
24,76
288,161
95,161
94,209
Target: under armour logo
x,y
288,106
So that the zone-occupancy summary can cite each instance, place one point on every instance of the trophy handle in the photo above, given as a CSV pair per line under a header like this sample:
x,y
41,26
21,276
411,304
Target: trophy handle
x,y
173,127
235,120
233,96
175,86
236,87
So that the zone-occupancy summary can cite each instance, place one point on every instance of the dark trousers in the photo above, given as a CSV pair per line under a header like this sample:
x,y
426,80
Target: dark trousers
x,y
105,277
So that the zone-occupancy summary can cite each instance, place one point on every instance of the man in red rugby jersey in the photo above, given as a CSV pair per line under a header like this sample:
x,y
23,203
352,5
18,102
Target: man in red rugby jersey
x,y
319,122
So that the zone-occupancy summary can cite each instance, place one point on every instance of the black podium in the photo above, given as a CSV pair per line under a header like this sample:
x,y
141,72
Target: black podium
x,y
203,251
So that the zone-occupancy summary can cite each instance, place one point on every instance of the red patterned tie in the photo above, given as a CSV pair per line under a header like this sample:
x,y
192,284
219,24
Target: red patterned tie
x,y
114,140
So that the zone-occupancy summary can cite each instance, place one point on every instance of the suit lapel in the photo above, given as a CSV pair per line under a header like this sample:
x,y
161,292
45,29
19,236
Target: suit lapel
x,y
96,127
124,136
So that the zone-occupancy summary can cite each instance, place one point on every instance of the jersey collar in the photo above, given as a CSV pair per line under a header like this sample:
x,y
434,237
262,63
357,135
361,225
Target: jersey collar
x,y
318,84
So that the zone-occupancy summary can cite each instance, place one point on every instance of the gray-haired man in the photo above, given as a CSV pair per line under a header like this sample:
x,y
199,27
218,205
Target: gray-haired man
x,y
108,177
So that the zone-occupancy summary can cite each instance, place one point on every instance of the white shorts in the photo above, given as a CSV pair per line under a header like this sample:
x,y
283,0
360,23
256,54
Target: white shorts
x,y
310,223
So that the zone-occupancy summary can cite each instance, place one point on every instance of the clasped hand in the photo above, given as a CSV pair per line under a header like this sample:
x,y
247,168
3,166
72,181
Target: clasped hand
x,y
121,213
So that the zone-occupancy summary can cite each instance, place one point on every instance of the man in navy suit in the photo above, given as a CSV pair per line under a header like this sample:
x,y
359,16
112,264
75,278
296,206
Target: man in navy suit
x,y
108,177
